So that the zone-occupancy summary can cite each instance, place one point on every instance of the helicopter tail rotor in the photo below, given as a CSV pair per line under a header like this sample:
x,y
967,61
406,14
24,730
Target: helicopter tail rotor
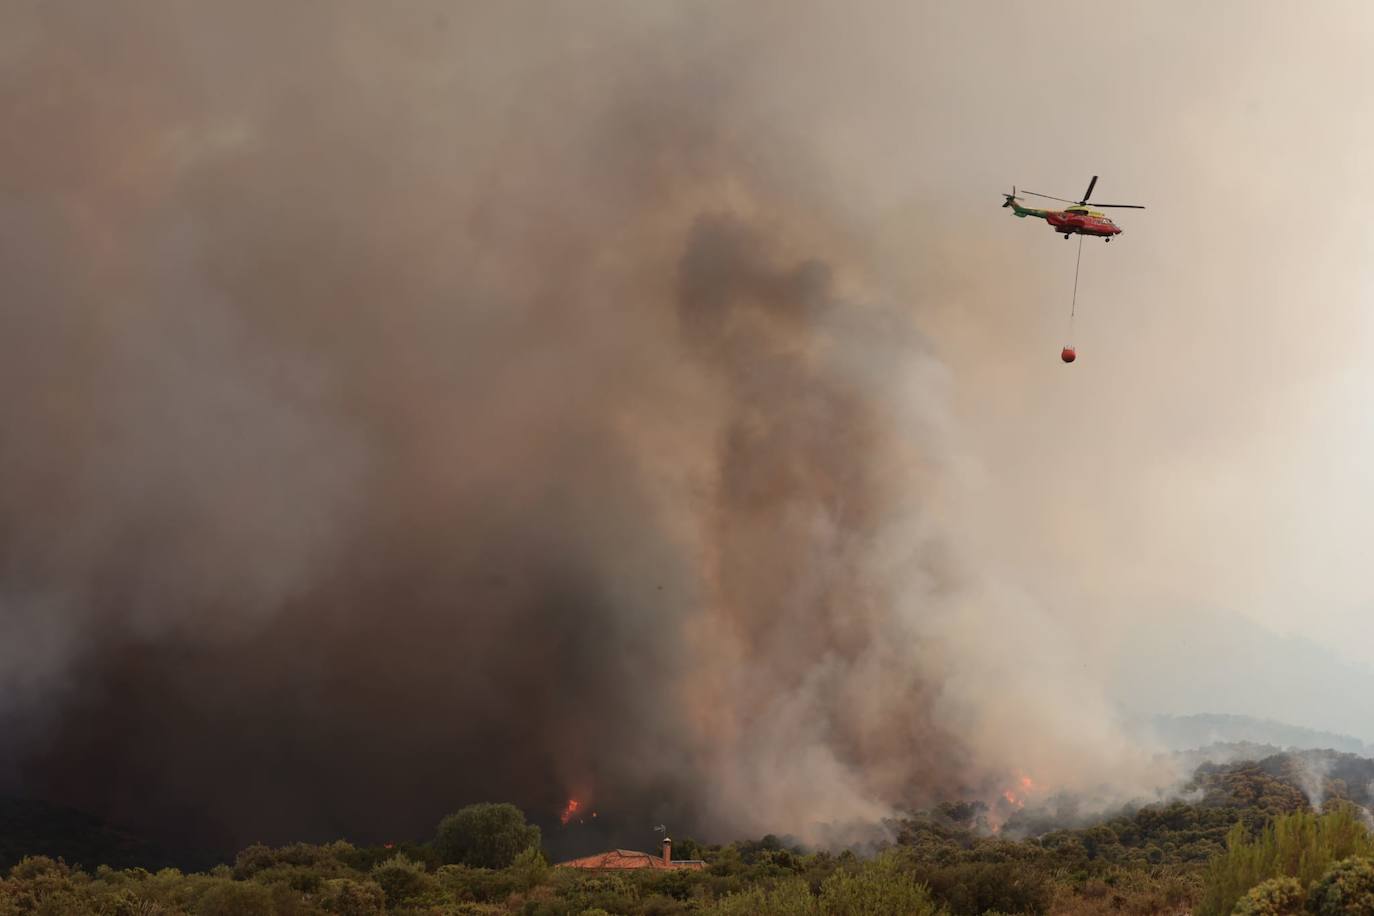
x,y
1009,198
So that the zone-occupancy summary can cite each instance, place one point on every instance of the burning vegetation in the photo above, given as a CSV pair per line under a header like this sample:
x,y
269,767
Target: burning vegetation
x,y
642,445
1016,796
564,403
1252,832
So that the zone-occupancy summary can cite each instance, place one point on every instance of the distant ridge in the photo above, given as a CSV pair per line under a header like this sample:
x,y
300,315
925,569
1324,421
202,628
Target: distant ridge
x,y
1183,733
33,827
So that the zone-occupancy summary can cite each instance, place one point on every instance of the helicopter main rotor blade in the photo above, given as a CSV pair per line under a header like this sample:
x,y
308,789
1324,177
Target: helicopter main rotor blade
x,y
1122,206
1089,193
1050,197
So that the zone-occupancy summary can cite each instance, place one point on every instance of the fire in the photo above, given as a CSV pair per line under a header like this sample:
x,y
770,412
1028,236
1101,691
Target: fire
x,y
1016,795
569,811
1013,799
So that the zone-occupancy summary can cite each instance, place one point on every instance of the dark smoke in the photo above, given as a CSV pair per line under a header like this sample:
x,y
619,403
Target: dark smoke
x,y
409,408
806,481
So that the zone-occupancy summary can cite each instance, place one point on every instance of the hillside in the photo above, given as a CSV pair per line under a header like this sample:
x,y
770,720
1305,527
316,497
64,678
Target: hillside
x,y
1182,733
1158,858
31,827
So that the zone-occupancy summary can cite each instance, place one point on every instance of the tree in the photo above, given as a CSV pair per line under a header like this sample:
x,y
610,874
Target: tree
x,y
401,879
880,886
347,897
1347,889
1275,897
969,888
485,836
530,868
791,897
235,898
1300,845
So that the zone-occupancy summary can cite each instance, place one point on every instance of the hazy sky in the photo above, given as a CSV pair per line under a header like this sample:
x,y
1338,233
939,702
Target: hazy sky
x,y
482,386
1209,453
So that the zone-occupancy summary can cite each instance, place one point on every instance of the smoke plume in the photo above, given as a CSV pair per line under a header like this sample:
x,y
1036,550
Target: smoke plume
x,y
413,406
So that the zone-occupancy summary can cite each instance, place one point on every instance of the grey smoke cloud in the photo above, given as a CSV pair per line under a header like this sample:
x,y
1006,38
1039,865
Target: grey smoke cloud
x,y
456,402
353,440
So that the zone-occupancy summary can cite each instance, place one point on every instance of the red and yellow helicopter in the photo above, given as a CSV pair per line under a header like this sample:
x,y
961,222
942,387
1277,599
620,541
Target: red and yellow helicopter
x,y
1076,219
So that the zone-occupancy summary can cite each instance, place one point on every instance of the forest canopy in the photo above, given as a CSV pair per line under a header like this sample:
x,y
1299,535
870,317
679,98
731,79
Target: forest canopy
x,y
1285,834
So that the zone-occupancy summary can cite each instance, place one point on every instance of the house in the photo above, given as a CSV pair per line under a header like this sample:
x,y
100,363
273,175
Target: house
x,y
629,858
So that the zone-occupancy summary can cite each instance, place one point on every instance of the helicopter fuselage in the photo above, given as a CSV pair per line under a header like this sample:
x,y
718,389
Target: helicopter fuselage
x,y
1075,220
1084,222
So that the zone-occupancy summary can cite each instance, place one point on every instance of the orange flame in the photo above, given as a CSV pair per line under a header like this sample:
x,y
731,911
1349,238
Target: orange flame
x,y
1017,794
1015,797
569,811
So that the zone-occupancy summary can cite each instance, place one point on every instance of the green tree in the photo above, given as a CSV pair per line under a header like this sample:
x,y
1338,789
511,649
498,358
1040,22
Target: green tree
x,y
588,891
1275,897
482,885
346,897
253,859
31,867
971,888
43,886
790,897
1347,889
529,869
880,886
1301,845
401,879
484,836
236,898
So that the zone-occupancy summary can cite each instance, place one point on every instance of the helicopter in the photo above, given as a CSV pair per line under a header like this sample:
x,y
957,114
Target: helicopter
x,y
1077,219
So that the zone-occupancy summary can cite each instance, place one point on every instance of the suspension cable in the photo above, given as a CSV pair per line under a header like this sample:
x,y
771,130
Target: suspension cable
x,y
1074,306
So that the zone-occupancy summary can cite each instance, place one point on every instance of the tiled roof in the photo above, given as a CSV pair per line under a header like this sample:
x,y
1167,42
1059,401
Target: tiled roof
x,y
629,858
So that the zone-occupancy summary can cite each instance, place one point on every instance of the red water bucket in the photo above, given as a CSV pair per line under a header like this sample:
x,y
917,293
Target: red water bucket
x,y
1069,354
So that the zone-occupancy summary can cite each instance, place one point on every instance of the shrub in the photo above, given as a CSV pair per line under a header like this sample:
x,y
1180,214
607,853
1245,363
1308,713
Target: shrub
x,y
476,884
401,880
1300,845
1347,889
43,886
971,888
299,878
1275,897
346,897
610,892
236,898
253,859
530,868
679,883
880,886
31,867
789,897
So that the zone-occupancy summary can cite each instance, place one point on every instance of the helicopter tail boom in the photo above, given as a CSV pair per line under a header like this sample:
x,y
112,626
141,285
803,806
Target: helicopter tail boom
x,y
1011,200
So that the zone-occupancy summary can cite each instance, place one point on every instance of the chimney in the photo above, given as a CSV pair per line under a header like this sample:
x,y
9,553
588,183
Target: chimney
x,y
667,852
